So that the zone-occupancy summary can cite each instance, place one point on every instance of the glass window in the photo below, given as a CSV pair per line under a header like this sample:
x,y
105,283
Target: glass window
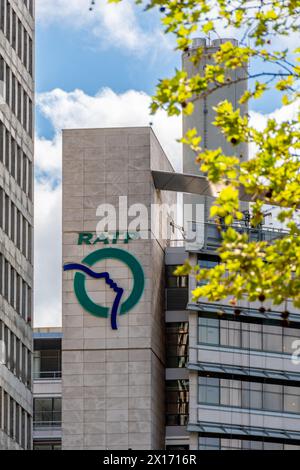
x,y
175,281
206,263
23,429
50,363
24,237
46,446
208,330
11,417
6,342
29,368
177,402
20,100
272,397
273,446
24,301
272,338
8,14
13,158
255,333
12,287
214,443
13,221
5,412
231,334
18,423
47,411
6,220
209,443
252,395
12,353
291,400
289,336
28,432
209,390
177,344
231,392
30,181
19,228
24,365
19,39
18,346
252,445
232,444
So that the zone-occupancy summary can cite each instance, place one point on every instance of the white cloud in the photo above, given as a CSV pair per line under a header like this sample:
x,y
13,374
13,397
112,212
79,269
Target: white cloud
x,y
47,254
281,114
259,121
48,156
114,25
79,110
284,113
106,109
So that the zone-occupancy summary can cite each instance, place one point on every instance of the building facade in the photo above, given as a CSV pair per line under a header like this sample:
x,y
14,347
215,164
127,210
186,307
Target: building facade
x,y
16,221
143,365
47,389
113,379
230,379
237,387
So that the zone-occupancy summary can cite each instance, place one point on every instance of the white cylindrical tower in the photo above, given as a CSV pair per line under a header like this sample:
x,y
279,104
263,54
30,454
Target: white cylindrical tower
x,y
204,115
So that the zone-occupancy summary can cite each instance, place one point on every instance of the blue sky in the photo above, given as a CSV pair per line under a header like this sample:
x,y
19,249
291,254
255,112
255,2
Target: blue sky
x,y
72,57
96,69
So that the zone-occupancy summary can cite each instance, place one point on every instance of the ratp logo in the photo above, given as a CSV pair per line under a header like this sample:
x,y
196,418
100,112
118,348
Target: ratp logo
x,y
80,283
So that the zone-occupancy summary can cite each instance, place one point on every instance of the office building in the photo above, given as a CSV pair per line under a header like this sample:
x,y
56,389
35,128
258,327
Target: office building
x,y
113,379
143,366
47,389
237,387
16,220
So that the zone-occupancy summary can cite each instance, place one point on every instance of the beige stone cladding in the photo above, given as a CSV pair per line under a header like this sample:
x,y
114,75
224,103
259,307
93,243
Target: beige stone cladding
x,y
113,380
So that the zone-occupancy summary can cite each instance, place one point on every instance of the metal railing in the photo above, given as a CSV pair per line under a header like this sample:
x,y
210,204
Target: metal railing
x,y
44,375
46,424
207,235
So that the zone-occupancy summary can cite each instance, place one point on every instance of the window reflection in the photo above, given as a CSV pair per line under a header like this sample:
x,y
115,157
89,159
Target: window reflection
x,y
177,402
235,334
177,340
215,443
254,395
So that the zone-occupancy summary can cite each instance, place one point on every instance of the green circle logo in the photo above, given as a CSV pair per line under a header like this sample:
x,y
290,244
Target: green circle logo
x,y
85,267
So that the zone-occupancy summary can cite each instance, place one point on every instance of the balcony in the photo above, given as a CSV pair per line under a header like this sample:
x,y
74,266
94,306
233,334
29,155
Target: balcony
x,y
47,375
47,359
206,236
47,418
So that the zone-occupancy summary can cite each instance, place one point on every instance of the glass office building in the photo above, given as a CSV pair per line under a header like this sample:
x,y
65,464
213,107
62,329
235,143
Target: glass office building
x,y
230,379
